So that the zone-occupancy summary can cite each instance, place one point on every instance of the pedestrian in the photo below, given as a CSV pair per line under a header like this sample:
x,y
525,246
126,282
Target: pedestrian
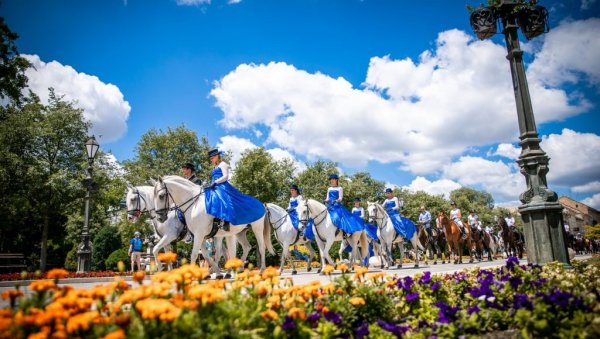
x,y
135,251
188,170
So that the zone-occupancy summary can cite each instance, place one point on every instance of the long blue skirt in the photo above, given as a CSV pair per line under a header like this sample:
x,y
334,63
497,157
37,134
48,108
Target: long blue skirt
x,y
229,204
308,232
344,220
404,226
371,231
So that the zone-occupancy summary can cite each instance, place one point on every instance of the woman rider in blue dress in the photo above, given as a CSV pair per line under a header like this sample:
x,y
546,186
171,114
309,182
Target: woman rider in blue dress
x,y
403,226
294,200
225,202
339,215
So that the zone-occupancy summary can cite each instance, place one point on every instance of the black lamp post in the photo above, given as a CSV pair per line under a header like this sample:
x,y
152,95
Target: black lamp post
x,y
541,212
84,250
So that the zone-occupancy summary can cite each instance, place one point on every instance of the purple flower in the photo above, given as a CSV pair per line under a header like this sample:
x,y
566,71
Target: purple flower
x,y
362,330
539,282
397,330
288,323
484,291
333,317
522,301
423,323
435,286
426,278
412,296
407,283
511,262
473,309
313,317
515,282
447,312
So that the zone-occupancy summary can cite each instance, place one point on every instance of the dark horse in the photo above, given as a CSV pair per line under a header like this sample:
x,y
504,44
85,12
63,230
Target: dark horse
x,y
483,242
513,240
436,244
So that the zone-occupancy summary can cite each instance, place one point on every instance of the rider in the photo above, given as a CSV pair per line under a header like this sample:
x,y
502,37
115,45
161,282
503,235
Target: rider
x,y
340,216
456,216
294,199
510,221
392,206
358,210
489,229
425,220
473,220
225,202
188,170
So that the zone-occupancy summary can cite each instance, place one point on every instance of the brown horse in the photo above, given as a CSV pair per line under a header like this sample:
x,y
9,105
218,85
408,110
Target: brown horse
x,y
513,241
436,244
483,242
454,238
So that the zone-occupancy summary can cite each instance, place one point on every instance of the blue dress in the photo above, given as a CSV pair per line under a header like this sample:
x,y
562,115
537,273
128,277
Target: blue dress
x,y
341,217
404,226
308,232
229,204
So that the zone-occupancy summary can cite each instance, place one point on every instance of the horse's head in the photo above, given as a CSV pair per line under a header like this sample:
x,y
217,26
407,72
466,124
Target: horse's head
x,y
161,199
372,212
442,218
136,204
303,213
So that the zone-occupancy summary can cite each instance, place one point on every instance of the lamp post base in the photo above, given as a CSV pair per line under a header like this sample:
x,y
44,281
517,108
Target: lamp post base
x,y
545,237
84,258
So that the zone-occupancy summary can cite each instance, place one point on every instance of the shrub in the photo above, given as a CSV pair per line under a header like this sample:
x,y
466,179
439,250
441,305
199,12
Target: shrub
x,y
115,257
105,242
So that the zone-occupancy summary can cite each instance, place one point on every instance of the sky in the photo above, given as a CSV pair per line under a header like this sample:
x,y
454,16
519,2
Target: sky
x,y
401,89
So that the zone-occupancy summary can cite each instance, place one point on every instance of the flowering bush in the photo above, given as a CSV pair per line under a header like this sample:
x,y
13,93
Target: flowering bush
x,y
537,301
40,275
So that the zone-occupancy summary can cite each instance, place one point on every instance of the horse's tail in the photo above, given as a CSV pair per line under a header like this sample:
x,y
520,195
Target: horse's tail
x,y
364,245
415,240
267,234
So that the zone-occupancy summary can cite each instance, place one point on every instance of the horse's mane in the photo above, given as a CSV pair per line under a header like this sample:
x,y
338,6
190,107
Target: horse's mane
x,y
179,180
501,222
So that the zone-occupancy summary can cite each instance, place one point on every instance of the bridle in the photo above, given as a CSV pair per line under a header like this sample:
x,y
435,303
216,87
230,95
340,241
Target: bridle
x,y
375,218
304,222
137,211
274,224
162,212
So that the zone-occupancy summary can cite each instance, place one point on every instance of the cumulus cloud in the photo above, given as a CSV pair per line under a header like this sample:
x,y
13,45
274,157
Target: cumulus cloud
x,y
507,150
437,187
417,113
503,181
593,201
590,187
103,104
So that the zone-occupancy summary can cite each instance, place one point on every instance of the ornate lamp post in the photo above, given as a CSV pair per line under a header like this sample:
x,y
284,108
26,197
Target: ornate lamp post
x,y
541,212
84,250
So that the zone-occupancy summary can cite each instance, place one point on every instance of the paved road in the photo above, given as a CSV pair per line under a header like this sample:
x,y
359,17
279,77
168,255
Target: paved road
x,y
304,277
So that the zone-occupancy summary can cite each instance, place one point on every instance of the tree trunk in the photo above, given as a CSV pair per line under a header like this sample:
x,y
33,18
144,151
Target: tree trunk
x,y
44,244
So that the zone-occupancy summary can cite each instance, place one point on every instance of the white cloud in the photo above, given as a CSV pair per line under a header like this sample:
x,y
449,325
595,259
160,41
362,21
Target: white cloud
x,y
233,2
590,187
574,157
419,114
103,104
508,151
192,2
113,166
442,186
569,50
593,201
586,4
504,182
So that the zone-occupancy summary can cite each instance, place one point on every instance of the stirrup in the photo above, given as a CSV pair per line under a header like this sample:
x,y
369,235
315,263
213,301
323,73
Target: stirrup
x,y
226,226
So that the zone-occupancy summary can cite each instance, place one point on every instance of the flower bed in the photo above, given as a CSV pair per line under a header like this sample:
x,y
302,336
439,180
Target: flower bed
x,y
532,301
39,275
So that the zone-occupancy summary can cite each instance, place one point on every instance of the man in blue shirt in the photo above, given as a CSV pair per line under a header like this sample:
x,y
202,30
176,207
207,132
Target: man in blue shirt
x,y
135,251
425,220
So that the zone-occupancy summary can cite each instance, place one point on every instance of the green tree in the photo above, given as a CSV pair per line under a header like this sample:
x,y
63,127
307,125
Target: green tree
x,y
12,68
162,153
313,180
364,186
414,200
105,242
592,231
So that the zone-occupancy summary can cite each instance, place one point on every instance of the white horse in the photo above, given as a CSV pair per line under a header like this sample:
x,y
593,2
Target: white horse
x,y
287,235
326,232
189,197
388,236
140,199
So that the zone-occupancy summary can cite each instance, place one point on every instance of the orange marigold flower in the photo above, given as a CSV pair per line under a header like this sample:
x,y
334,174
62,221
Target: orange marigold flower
x,y
343,267
360,272
269,315
80,322
297,313
328,269
356,301
57,273
157,309
11,294
167,257
139,276
234,263
270,272
42,285
118,334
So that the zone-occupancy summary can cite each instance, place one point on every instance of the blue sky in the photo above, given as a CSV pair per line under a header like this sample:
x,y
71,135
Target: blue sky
x,y
401,89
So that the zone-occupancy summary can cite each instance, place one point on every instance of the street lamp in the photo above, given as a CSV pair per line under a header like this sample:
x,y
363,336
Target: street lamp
x,y
84,250
541,212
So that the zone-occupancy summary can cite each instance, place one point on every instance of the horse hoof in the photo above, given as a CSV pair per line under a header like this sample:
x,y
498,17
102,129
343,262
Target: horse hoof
x,y
228,276
309,269
319,270
294,272
219,277
435,262
381,267
399,266
416,265
246,264
470,261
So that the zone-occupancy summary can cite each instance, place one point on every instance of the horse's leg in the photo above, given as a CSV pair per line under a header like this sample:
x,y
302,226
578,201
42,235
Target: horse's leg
x,y
285,255
416,247
258,228
161,243
401,247
243,241
311,255
231,252
343,245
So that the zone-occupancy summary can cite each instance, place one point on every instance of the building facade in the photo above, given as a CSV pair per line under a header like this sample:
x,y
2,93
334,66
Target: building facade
x,y
577,214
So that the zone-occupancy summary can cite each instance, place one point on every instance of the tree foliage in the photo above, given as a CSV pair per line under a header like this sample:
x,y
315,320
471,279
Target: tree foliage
x,y
313,180
592,231
12,68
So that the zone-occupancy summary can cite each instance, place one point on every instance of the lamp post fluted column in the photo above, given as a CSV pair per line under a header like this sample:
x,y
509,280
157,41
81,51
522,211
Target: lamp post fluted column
x,y
84,250
545,237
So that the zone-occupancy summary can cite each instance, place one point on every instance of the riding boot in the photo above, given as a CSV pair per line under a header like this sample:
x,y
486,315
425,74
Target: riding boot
x,y
463,232
226,225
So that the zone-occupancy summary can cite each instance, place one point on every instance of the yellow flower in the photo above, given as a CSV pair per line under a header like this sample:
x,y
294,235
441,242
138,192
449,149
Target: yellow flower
x,y
328,269
356,301
121,266
139,276
360,272
80,322
157,309
11,294
269,315
118,334
297,313
343,268
167,257
57,273
42,285
234,263
270,272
